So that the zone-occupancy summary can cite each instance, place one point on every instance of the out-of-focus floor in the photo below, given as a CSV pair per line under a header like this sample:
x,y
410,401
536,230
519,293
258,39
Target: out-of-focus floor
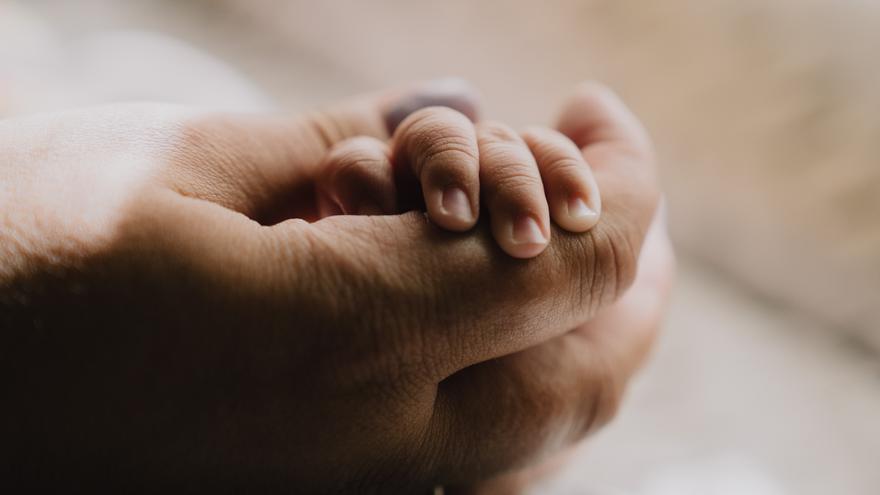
x,y
740,398
749,391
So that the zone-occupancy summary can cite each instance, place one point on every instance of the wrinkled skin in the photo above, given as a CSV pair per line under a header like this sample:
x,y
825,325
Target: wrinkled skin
x,y
164,329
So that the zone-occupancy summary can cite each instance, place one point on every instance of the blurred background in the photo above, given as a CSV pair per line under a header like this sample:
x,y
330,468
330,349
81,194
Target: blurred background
x,y
766,121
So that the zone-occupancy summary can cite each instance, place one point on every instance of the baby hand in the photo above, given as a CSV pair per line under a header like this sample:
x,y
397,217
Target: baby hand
x,y
439,159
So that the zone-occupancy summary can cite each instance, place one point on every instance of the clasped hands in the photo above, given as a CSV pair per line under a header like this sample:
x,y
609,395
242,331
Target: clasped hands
x,y
380,296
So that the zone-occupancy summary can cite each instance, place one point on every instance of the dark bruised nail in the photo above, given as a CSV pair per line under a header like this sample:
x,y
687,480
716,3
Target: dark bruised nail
x,y
451,92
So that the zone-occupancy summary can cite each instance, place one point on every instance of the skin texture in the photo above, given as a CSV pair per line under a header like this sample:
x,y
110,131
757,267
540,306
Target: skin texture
x,y
171,321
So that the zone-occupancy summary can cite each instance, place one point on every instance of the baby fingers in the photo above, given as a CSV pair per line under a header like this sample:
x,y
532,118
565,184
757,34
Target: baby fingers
x,y
513,191
357,179
571,189
438,147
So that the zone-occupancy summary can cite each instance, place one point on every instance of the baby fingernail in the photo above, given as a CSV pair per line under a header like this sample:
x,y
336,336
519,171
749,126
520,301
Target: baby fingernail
x,y
527,231
455,203
578,210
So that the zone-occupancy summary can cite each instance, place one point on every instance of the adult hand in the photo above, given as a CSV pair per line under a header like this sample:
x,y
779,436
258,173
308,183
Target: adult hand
x,y
160,330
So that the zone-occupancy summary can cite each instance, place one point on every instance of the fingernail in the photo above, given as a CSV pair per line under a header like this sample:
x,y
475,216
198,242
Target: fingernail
x,y
449,92
455,203
527,231
578,210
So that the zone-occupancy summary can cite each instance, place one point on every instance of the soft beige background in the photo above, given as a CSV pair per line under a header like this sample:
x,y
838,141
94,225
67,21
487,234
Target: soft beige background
x,y
766,122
